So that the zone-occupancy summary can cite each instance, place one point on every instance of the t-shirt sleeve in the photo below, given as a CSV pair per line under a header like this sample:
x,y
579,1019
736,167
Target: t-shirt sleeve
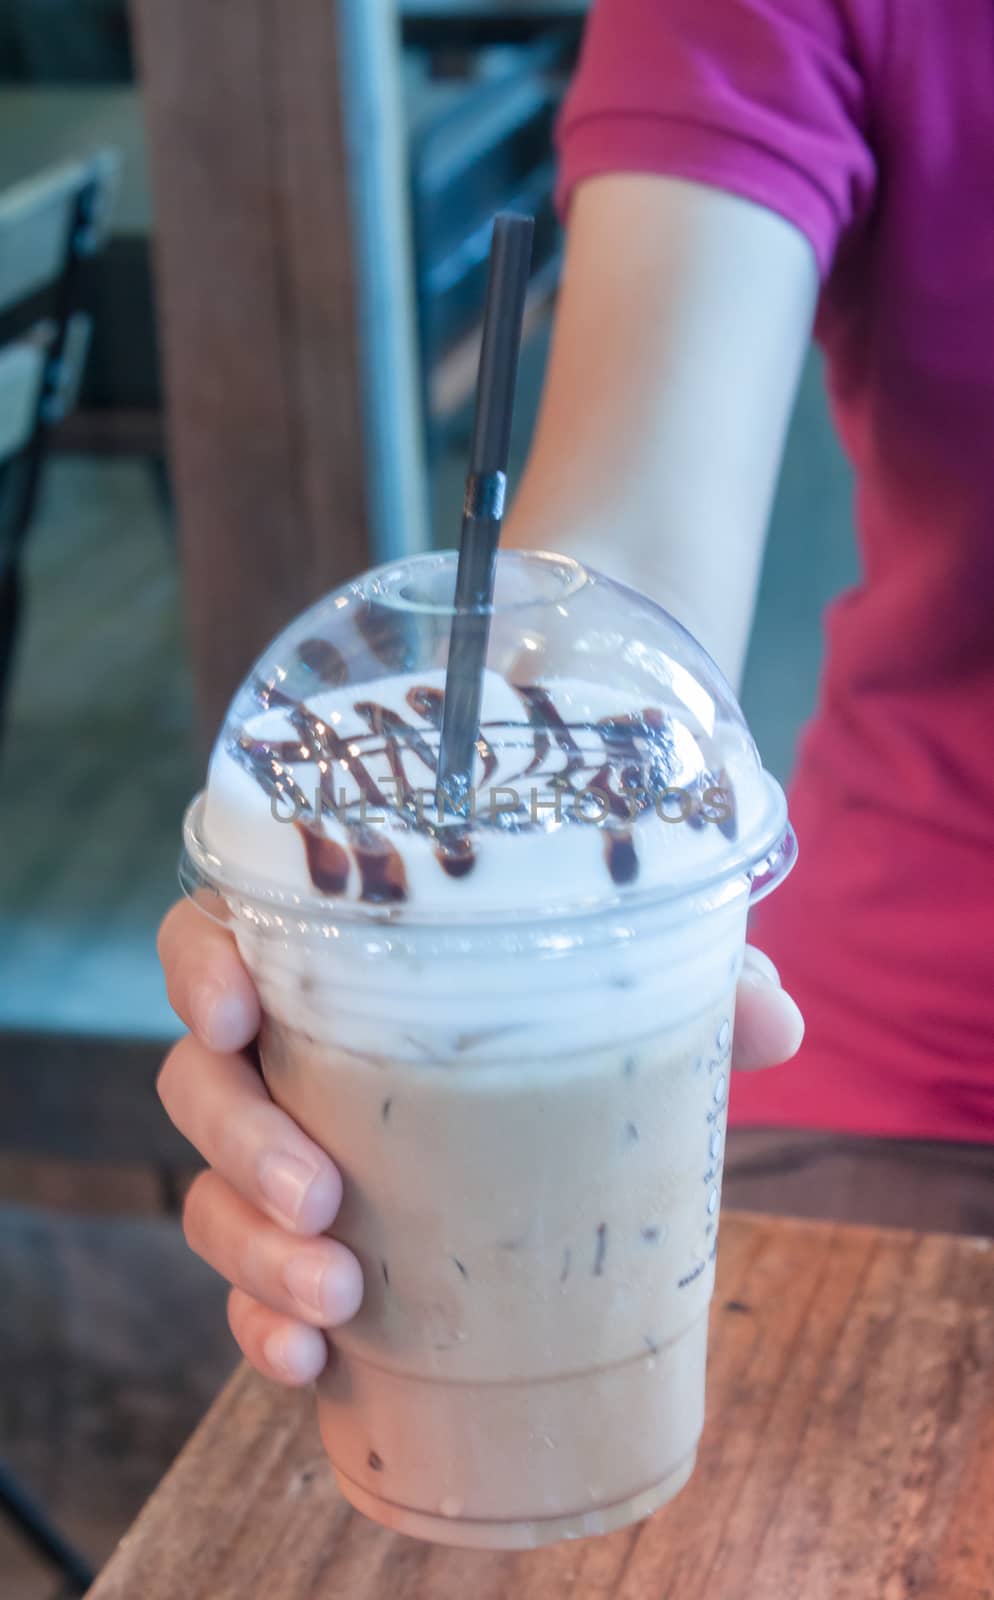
x,y
763,98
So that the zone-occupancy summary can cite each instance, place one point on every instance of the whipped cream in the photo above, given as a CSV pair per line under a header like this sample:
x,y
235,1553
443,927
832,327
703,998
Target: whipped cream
x,y
582,793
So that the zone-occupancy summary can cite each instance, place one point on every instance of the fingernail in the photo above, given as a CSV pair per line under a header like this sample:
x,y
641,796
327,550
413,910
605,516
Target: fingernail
x,y
795,1017
307,1278
218,1015
759,971
290,1352
285,1181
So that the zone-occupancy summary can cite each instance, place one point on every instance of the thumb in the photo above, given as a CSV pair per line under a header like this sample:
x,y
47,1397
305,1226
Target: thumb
x,y
768,1025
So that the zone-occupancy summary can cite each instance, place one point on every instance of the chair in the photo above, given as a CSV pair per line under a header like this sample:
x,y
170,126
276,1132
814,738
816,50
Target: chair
x,y
48,225
34,1526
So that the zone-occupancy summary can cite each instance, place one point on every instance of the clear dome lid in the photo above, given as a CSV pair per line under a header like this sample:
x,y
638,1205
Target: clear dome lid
x,y
613,763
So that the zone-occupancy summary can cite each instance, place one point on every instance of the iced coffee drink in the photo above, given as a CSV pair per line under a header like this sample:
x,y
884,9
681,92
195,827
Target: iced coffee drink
x,y
508,1022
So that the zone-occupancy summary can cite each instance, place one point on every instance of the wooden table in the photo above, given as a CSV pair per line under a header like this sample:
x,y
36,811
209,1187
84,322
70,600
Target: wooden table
x,y
849,1453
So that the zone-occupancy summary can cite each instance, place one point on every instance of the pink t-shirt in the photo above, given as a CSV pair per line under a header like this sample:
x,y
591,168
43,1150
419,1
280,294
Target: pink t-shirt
x,y
869,125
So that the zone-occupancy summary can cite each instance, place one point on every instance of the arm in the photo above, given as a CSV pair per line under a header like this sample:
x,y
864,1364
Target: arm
x,y
683,321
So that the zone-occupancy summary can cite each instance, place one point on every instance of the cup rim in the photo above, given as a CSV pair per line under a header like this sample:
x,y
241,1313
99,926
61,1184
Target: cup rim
x,y
757,867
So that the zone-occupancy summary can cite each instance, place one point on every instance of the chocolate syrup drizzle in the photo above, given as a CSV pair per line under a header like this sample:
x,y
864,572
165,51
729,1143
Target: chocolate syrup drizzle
x,y
635,763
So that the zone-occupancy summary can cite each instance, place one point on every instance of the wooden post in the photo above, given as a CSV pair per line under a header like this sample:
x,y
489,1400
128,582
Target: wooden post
x,y
259,304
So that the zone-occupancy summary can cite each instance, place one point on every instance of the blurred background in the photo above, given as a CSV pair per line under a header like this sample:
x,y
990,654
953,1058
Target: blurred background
x,y
242,260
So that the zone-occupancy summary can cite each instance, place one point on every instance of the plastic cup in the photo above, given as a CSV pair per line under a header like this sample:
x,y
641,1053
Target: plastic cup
x,y
511,1030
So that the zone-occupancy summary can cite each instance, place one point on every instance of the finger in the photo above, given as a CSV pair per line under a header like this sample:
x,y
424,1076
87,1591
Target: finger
x,y
208,986
768,1025
317,1281
279,1347
220,1104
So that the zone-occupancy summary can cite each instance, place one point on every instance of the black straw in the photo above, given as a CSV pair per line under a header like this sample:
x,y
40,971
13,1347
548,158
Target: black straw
x,y
483,508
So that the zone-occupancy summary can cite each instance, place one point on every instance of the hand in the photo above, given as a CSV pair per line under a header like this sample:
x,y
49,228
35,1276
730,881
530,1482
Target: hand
x,y
768,1025
259,1215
